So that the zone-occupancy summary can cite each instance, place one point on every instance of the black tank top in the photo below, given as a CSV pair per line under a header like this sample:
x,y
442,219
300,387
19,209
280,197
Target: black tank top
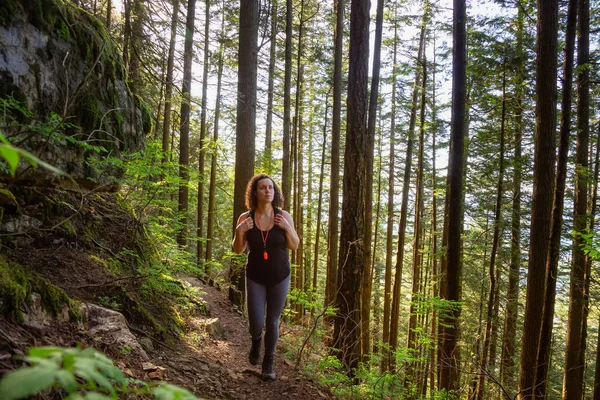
x,y
277,266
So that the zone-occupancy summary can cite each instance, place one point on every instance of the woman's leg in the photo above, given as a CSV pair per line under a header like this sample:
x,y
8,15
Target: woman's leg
x,y
256,300
275,303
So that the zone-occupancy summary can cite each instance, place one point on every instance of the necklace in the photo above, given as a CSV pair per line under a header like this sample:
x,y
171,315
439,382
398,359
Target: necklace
x,y
264,237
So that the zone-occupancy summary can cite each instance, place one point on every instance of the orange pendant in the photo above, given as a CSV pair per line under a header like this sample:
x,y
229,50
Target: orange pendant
x,y
265,255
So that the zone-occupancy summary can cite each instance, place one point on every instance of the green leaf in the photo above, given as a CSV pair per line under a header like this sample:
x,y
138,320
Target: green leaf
x,y
26,382
86,369
96,396
171,392
44,352
11,155
67,381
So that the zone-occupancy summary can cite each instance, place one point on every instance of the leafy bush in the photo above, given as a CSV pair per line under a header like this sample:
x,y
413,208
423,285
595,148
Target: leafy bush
x,y
81,374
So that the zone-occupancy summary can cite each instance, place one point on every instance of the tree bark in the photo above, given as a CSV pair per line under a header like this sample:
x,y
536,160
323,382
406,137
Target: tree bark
x,y
169,84
507,370
272,58
494,252
372,120
543,188
213,163
449,360
347,329
575,357
334,188
387,294
245,121
202,144
404,208
184,132
544,351
287,86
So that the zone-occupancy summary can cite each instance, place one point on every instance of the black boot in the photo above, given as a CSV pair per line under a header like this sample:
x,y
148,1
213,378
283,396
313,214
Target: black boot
x,y
254,356
268,374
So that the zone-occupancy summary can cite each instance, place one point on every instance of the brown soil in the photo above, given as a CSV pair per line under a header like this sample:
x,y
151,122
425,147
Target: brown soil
x,y
211,368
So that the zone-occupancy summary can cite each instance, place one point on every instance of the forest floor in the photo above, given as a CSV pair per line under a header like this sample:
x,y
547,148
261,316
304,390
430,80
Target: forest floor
x,y
219,368
210,367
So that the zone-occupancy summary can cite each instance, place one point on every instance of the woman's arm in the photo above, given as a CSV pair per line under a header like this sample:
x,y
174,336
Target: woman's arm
x,y
244,224
285,222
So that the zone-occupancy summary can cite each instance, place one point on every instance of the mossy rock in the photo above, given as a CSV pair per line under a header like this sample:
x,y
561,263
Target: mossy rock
x,y
18,282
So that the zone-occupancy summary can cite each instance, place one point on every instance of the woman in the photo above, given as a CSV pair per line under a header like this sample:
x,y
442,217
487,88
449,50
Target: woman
x,y
267,232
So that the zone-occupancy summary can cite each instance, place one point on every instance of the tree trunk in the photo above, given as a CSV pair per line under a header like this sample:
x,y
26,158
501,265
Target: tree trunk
x,y
544,351
135,44
297,154
245,122
202,144
387,294
449,360
287,86
214,151
320,204
169,84
404,208
494,252
592,223
347,332
507,370
108,14
372,120
543,188
184,132
331,288
272,59
417,243
575,357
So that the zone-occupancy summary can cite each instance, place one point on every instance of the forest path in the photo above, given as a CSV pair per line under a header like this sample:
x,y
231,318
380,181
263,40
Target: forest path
x,y
219,368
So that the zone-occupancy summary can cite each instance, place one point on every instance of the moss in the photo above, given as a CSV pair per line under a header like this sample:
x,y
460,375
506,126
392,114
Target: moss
x,y
18,282
147,122
8,9
69,228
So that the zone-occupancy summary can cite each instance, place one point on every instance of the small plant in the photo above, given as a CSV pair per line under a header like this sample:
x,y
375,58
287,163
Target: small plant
x,y
125,350
82,374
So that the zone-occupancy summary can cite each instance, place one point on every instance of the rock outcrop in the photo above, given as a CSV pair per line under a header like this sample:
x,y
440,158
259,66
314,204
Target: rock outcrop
x,y
60,62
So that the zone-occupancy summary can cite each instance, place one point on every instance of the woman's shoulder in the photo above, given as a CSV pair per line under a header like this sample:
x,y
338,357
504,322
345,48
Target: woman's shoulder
x,y
244,215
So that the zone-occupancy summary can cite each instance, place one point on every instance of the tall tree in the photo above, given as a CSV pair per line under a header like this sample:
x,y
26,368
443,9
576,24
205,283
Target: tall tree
x,y
372,117
495,244
213,164
245,118
184,132
507,373
543,358
169,84
202,144
575,361
347,328
394,323
543,188
334,182
387,292
287,86
271,85
450,286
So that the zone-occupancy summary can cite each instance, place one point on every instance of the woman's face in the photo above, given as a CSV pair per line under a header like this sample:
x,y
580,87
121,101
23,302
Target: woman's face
x,y
265,190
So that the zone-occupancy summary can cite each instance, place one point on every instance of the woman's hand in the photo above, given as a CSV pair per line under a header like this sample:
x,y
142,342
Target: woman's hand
x,y
281,222
285,222
245,226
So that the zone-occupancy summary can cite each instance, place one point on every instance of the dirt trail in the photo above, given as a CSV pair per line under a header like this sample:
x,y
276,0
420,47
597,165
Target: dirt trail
x,y
219,368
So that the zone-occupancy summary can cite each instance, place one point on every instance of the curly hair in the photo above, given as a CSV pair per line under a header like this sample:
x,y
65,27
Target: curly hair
x,y
251,189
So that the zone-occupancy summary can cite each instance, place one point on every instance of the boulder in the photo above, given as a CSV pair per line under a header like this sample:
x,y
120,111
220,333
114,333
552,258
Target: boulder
x,y
110,327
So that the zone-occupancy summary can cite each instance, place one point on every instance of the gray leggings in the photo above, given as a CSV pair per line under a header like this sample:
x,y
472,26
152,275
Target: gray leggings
x,y
273,297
